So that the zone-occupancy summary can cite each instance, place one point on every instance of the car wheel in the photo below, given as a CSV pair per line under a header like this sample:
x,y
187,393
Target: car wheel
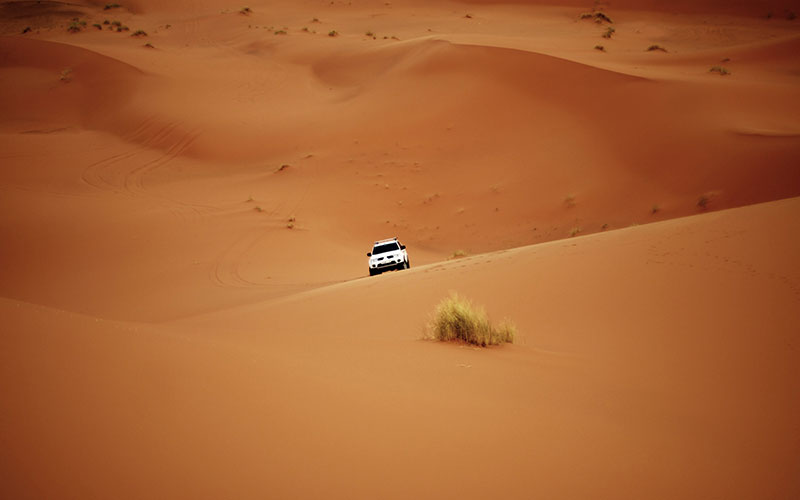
x,y
373,272
408,264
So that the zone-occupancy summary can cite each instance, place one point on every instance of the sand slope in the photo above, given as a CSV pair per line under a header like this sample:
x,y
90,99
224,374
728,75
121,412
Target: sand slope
x,y
657,361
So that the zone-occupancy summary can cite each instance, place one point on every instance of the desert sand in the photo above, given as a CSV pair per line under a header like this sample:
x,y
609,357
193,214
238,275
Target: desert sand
x,y
188,191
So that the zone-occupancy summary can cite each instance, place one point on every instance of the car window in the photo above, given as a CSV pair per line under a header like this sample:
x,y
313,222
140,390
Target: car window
x,y
388,247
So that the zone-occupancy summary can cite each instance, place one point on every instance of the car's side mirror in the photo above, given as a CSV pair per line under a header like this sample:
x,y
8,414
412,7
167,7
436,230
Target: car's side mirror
x,y
369,254
402,247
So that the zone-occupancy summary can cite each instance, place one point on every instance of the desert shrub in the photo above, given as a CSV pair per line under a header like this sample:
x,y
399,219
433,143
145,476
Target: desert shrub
x,y
333,33
610,31
599,17
458,254
110,6
656,47
98,26
457,319
139,33
719,69
575,231
281,32
246,11
600,48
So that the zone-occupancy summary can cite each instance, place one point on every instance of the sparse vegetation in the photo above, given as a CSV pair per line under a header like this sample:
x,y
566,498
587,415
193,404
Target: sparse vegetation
x,y
575,231
122,28
149,46
333,33
283,167
655,209
653,48
98,26
719,69
66,75
139,33
370,34
76,25
27,29
599,17
246,11
600,48
604,227
610,31
280,32
458,254
457,319
315,20
258,209
569,201
110,6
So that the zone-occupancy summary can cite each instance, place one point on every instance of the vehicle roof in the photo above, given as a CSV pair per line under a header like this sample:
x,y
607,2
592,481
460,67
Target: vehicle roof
x,y
383,242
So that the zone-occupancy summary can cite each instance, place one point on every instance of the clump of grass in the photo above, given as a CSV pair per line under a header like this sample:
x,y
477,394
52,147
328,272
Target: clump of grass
x,y
75,26
139,33
656,47
600,48
27,29
110,6
599,17
458,254
246,11
149,45
258,209
333,33
569,201
66,75
467,16
283,167
655,209
575,231
719,69
315,20
280,32
370,34
98,26
122,28
610,31
457,319
704,201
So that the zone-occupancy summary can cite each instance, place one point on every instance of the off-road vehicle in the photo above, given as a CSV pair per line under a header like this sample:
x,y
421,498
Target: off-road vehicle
x,y
387,254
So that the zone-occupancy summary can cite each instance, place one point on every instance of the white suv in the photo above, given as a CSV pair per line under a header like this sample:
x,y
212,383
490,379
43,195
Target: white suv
x,y
387,254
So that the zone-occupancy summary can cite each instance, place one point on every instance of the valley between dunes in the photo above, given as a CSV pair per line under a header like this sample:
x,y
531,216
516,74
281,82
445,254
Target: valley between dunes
x,y
185,213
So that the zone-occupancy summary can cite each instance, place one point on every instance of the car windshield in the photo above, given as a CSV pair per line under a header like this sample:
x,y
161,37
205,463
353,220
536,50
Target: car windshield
x,y
388,247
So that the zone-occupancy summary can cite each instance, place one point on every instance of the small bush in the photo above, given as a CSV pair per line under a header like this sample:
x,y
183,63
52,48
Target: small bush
x,y
246,11
98,26
458,254
333,33
575,231
110,6
27,29
456,319
139,33
66,75
149,46
656,47
719,69
600,48
610,31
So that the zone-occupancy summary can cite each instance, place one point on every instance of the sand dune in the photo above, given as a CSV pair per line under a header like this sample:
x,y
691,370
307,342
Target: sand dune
x,y
654,361
184,217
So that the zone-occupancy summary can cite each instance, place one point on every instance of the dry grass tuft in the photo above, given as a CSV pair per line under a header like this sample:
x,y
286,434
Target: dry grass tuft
x,y
457,319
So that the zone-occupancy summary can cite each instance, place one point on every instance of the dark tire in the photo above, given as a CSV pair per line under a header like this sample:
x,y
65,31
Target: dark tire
x,y
408,264
373,272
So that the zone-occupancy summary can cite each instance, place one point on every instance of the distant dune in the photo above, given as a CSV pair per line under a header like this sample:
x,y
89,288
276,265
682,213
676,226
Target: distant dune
x,y
188,191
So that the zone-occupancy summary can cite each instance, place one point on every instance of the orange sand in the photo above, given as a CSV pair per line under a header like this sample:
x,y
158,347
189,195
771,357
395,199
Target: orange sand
x,y
168,335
